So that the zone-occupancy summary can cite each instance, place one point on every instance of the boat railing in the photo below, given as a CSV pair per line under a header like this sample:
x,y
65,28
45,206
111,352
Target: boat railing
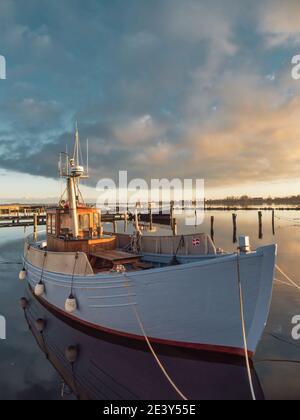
x,y
35,241
69,263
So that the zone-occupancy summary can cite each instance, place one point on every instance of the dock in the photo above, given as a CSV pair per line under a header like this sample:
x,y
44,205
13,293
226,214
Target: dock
x,y
24,216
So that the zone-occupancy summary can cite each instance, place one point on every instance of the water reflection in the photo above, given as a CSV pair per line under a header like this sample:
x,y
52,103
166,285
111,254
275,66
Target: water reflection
x,y
98,367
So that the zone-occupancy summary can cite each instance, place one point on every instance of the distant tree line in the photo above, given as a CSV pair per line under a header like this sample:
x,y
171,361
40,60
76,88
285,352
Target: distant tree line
x,y
245,200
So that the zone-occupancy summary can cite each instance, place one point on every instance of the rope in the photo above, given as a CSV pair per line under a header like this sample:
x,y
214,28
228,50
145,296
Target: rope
x,y
277,361
72,281
289,219
287,277
10,263
244,329
283,340
42,275
284,282
160,365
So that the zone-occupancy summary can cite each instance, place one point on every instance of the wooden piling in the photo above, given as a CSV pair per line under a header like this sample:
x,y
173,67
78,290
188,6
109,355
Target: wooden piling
x,y
212,230
260,225
234,222
174,227
35,226
173,221
172,210
150,217
273,222
126,217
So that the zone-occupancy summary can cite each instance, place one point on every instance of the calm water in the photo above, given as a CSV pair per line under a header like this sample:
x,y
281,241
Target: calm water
x,y
27,374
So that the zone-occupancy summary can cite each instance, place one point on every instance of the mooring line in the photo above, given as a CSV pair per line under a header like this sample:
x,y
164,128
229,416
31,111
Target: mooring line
x,y
244,329
287,277
10,263
160,365
285,283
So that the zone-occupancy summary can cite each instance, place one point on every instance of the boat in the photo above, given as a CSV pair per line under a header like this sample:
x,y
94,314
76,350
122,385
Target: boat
x,y
179,291
96,367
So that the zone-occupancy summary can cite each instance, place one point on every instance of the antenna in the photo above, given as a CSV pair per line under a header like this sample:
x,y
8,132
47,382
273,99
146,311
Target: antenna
x,y
87,157
76,147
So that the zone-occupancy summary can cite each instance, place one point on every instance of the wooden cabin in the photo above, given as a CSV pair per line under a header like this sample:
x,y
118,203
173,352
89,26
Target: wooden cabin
x,y
100,249
59,231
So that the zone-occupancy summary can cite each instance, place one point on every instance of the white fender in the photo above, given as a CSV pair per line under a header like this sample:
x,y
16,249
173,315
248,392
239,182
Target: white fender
x,y
39,289
22,274
71,304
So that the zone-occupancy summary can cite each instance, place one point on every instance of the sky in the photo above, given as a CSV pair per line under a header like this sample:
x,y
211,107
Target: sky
x,y
161,88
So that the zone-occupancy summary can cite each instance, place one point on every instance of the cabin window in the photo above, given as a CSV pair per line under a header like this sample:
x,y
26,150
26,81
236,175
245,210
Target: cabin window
x,y
96,219
49,223
84,221
65,224
53,225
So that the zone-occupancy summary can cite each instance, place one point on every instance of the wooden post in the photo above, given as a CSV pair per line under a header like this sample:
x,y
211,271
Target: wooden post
x,y
115,226
172,210
273,221
234,219
125,222
160,207
173,221
35,226
150,217
174,227
212,230
260,225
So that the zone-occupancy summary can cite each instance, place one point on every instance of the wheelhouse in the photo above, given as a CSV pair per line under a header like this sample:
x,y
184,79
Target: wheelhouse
x,y
60,237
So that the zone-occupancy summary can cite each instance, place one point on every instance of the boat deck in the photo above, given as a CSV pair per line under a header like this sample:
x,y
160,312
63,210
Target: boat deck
x,y
115,256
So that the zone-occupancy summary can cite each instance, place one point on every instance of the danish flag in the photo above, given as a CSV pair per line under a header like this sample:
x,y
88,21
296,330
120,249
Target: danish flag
x,y
196,242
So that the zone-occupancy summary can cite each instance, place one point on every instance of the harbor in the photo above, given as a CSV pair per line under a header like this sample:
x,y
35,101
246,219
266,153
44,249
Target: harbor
x,y
154,255
149,203
277,354
30,216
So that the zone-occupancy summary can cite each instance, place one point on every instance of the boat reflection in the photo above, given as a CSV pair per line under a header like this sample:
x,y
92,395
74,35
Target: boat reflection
x,y
98,367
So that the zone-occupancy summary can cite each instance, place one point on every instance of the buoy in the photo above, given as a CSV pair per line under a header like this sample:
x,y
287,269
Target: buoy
x,y
71,304
40,325
24,303
71,354
22,274
39,289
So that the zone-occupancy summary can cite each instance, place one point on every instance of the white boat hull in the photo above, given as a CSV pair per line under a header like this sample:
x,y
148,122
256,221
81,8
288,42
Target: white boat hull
x,y
194,305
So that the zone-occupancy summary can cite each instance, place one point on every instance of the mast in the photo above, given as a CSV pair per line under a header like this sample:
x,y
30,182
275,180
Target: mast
x,y
73,205
71,169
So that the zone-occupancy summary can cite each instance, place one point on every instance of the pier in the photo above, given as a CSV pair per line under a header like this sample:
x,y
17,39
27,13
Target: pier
x,y
17,215
24,216
21,215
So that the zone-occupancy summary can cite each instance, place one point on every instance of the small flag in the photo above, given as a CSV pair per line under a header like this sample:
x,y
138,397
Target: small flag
x,y
196,242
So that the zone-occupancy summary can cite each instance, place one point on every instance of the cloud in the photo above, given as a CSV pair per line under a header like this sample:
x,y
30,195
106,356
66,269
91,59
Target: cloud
x,y
254,134
138,131
194,21
279,21
165,88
